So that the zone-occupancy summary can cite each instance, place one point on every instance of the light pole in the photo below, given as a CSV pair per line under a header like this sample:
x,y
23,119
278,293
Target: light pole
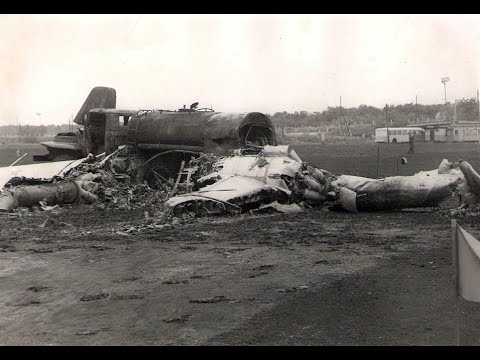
x,y
444,81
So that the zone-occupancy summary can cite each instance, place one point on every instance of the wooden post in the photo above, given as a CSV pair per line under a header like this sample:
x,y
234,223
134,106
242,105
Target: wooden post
x,y
456,340
378,157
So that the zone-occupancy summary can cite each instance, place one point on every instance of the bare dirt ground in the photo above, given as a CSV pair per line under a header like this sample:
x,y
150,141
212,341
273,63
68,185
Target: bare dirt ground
x,y
313,278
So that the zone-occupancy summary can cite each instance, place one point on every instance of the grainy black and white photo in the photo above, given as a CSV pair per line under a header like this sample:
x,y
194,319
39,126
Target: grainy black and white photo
x,y
239,179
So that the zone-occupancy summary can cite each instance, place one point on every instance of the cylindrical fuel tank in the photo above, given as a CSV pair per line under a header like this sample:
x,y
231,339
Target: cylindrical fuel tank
x,y
192,130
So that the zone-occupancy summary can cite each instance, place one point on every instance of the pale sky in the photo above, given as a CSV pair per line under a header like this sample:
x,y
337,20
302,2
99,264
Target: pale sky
x,y
266,63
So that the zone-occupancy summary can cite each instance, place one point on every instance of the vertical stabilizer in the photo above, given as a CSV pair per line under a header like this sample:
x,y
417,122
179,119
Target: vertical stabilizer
x,y
99,97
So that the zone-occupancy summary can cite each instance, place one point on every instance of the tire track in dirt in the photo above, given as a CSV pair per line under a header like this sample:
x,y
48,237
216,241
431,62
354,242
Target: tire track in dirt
x,y
403,301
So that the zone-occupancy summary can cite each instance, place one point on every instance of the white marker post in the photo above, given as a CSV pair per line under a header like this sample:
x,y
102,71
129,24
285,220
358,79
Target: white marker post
x,y
456,340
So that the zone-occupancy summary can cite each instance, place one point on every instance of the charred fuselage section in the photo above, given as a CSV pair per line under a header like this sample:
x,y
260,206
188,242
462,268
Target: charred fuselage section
x,y
157,139
161,140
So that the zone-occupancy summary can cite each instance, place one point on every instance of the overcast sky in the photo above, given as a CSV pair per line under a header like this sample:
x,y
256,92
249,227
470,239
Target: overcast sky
x,y
267,63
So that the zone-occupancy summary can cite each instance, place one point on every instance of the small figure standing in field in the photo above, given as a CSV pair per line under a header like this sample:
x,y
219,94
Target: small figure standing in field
x,y
411,140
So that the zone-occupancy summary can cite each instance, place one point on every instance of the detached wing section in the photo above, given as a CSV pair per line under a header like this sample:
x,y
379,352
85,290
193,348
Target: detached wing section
x,y
37,171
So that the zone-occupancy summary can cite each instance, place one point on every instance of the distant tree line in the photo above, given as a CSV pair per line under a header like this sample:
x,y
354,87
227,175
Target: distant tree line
x,y
34,130
398,115
364,115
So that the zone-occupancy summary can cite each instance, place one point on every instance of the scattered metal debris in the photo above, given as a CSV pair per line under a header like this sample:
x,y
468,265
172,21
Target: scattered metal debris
x,y
254,179
174,282
178,319
91,332
128,297
292,289
101,295
87,332
212,300
38,288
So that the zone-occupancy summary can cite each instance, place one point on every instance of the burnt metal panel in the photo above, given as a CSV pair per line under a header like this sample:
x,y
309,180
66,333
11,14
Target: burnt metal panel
x,y
223,126
176,128
214,132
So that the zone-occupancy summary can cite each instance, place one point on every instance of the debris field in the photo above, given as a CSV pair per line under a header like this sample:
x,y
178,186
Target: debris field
x,y
257,248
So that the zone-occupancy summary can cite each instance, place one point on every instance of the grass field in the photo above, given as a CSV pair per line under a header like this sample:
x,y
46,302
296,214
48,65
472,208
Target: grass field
x,y
358,158
361,159
8,153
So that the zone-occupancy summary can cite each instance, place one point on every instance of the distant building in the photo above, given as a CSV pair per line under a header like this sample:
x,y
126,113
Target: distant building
x,y
466,131
448,131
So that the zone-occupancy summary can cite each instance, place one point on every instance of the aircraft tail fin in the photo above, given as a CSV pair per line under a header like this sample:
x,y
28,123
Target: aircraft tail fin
x,y
99,97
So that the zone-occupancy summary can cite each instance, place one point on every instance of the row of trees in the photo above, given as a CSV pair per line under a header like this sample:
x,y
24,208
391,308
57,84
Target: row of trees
x,y
398,115
33,130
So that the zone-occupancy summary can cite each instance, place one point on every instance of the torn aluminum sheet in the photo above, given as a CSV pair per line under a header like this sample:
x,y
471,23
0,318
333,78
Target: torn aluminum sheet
x,y
424,189
245,182
37,171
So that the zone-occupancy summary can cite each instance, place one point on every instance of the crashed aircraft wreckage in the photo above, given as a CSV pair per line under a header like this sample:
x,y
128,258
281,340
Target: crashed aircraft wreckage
x,y
61,182
157,140
274,176
424,189
254,177
155,145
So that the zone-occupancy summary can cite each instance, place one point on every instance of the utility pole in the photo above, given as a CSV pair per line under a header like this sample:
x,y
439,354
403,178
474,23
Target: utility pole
x,y
455,112
416,108
386,118
341,125
444,81
478,103
345,120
